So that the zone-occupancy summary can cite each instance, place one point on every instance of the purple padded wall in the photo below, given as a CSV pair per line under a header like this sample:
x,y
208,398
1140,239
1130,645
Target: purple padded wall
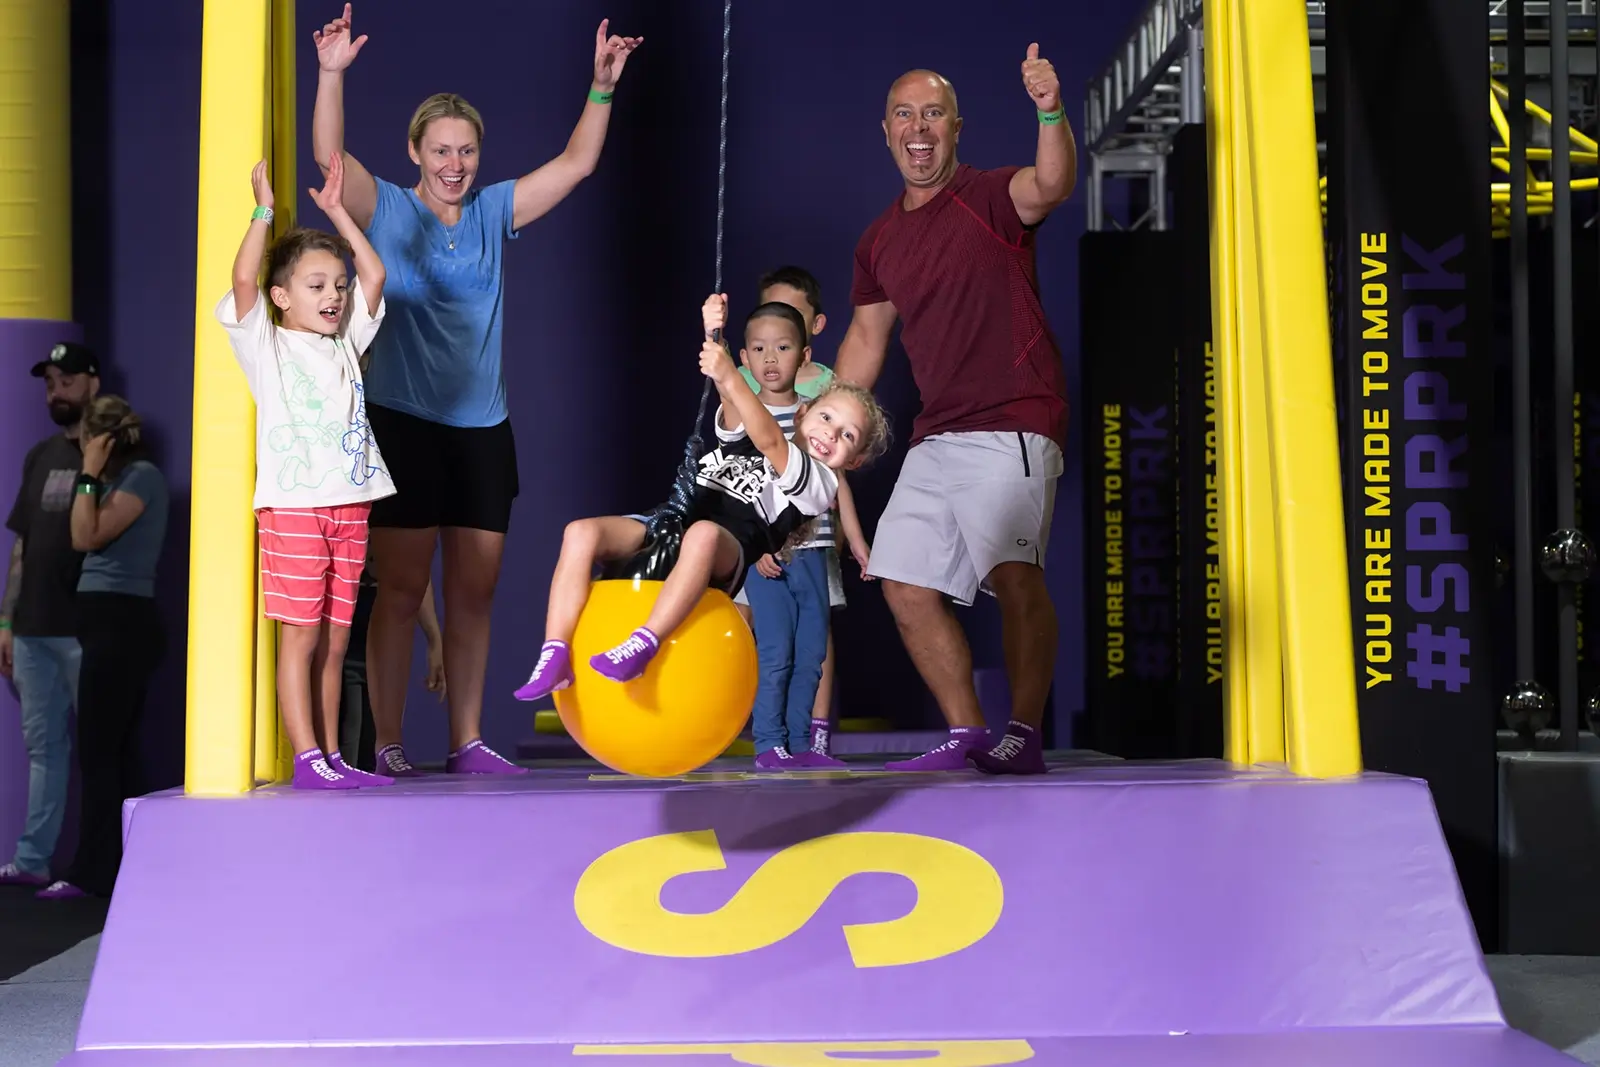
x,y
1136,900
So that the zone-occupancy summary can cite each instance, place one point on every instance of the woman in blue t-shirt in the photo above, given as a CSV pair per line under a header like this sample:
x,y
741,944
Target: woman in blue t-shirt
x,y
119,518
435,393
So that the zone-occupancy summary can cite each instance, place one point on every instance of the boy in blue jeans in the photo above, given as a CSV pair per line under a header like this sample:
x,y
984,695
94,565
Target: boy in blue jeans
x,y
790,599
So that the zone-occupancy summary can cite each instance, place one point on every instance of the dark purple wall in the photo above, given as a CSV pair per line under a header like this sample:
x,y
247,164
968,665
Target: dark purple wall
x,y
603,294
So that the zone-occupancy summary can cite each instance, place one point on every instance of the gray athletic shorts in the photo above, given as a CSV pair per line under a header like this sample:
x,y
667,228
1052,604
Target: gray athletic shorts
x,y
964,504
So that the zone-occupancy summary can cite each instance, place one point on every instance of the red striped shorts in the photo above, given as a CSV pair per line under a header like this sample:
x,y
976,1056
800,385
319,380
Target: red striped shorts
x,y
311,562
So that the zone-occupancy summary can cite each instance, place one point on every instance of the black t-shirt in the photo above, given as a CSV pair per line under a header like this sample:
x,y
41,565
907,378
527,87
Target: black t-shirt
x,y
42,517
737,489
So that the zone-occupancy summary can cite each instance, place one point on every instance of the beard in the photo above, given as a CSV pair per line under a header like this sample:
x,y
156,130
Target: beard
x,y
64,412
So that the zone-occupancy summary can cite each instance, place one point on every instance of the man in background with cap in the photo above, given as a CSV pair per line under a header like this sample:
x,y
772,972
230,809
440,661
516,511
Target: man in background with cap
x,y
38,649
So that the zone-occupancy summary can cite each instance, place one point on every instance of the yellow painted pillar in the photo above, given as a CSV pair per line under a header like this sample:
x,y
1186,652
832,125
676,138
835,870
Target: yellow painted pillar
x,y
234,135
35,147
1252,683
273,760
265,720
1322,727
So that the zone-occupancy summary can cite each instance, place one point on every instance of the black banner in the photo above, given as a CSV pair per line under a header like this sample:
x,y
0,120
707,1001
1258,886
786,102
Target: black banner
x,y
1129,420
1409,228
1200,654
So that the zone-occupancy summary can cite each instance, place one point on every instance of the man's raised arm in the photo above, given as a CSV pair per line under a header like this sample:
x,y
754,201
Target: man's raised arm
x,y
1038,190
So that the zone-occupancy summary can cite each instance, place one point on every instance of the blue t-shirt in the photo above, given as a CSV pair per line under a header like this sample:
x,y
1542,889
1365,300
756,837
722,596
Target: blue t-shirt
x,y
437,355
128,564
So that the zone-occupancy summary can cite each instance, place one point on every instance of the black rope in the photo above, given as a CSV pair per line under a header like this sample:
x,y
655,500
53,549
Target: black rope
x,y
681,499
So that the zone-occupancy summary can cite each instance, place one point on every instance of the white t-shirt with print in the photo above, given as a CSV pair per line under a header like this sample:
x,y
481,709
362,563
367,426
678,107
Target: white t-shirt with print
x,y
314,447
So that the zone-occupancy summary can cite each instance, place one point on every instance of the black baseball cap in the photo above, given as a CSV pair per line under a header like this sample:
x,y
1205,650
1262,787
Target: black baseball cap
x,y
69,357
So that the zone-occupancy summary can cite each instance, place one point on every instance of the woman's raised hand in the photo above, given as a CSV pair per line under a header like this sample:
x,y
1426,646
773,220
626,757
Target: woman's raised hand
x,y
336,49
610,54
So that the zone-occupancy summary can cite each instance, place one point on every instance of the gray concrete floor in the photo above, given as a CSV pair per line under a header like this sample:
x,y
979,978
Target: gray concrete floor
x,y
1554,998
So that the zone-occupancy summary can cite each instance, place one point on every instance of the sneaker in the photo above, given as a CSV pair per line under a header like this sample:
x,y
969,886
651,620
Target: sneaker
x,y
552,672
475,757
60,891
313,771
361,778
950,756
1019,752
392,763
777,758
628,660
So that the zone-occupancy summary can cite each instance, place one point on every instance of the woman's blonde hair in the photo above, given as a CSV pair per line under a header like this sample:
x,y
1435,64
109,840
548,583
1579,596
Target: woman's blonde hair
x,y
113,415
443,106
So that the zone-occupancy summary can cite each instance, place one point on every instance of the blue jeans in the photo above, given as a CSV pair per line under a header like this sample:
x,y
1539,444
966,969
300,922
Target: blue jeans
x,y
791,624
46,676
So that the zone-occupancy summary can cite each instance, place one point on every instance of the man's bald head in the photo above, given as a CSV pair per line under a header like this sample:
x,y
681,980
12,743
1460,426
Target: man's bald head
x,y
918,84
922,127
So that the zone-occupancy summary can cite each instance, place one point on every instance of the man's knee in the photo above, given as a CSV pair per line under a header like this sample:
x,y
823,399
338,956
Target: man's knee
x,y
911,602
1020,584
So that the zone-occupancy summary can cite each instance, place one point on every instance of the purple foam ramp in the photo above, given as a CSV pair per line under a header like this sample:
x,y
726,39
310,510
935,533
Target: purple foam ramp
x,y
1395,1047
1105,899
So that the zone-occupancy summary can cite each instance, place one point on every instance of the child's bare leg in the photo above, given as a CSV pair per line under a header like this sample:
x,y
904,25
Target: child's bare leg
x,y
297,654
822,709
708,550
296,647
585,543
327,674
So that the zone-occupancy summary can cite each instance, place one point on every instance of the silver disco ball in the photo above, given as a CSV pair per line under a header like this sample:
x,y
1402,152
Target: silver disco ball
x,y
1567,556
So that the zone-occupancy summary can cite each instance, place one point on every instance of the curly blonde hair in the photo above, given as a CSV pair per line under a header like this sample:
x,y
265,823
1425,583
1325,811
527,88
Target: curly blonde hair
x,y
876,433
876,438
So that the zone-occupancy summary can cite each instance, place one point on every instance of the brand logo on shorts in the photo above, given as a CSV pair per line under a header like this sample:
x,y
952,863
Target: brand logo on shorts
x,y
1022,542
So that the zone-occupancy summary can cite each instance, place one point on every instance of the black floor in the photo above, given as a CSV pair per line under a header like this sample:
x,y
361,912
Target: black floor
x,y
32,931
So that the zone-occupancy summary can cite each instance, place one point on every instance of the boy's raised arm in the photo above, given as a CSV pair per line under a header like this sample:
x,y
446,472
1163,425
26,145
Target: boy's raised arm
x,y
369,268
247,264
762,428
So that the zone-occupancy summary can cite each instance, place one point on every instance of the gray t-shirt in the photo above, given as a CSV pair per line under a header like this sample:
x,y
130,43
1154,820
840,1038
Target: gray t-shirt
x,y
128,564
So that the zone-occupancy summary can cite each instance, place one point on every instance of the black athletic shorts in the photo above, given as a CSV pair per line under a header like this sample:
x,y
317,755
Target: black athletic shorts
x,y
444,475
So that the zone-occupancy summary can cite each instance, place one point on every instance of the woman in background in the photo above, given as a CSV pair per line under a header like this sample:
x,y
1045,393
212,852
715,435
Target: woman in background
x,y
119,518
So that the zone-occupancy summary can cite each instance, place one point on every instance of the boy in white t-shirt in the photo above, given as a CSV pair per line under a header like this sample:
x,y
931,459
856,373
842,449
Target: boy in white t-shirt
x,y
318,469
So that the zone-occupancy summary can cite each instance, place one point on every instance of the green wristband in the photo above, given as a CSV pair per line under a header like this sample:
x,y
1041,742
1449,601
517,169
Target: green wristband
x,y
5,624
262,213
598,97
1052,118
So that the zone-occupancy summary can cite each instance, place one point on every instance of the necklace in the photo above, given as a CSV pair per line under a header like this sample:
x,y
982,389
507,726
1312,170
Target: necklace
x,y
449,231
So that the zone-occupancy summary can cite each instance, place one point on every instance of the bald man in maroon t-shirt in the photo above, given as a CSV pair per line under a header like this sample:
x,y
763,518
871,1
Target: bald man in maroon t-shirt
x,y
952,259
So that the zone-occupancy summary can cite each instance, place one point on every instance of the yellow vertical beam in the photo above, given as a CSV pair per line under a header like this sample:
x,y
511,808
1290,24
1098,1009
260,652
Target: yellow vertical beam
x,y
280,124
264,721
1224,329
1253,680
222,557
1263,654
1322,731
35,144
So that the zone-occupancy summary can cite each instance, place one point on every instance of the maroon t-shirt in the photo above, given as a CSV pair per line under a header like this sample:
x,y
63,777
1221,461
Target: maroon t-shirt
x,y
960,271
